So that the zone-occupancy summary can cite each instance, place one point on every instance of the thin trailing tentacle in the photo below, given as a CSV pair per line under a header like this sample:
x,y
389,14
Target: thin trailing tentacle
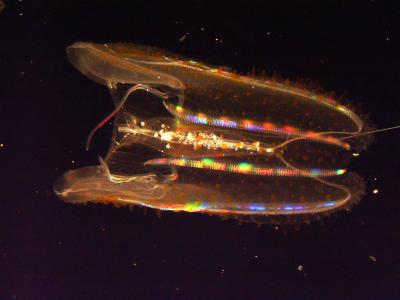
x,y
120,105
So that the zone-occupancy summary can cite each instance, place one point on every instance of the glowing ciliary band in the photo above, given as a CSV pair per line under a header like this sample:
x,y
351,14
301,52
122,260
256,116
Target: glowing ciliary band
x,y
249,169
248,125
260,209
273,85
245,208
244,168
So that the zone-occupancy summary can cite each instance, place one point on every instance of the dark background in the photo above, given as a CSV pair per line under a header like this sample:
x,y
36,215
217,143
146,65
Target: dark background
x,y
53,250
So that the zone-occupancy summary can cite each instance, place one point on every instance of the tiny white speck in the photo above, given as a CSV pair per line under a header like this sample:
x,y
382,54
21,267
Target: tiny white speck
x,y
300,268
375,191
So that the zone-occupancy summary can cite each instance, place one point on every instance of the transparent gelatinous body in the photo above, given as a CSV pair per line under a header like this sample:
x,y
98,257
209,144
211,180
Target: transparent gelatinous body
x,y
188,137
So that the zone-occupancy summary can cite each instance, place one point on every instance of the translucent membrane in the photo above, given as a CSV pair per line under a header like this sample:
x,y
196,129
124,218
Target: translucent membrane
x,y
188,137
